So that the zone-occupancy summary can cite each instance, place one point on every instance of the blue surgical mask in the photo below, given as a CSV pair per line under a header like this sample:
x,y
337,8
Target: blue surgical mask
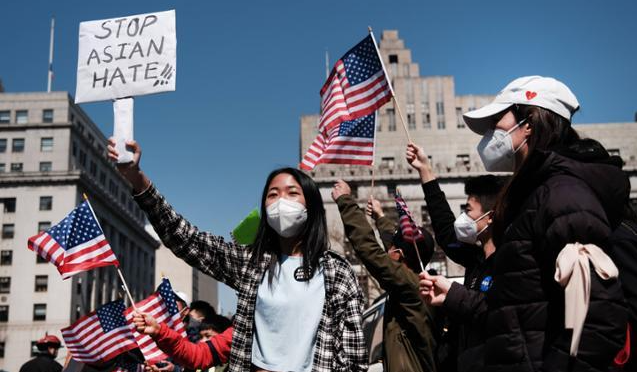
x,y
496,149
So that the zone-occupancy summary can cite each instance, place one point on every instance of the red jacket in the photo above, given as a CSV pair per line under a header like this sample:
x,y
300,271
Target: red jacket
x,y
199,355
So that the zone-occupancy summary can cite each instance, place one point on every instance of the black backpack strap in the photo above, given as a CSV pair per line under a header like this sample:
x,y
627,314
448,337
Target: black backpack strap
x,y
215,353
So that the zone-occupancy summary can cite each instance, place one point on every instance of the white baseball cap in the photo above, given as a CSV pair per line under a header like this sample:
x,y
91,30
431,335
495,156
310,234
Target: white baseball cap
x,y
540,91
184,297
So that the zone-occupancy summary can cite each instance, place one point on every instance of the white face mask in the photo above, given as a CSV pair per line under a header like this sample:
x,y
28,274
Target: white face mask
x,y
496,150
467,228
286,217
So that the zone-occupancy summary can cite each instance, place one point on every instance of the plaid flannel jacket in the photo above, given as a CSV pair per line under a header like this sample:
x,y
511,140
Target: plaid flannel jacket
x,y
340,345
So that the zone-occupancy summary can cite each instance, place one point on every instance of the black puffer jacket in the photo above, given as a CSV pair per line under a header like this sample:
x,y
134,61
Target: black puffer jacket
x,y
561,200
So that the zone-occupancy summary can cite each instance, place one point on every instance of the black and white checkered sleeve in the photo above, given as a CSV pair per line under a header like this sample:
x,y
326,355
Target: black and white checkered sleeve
x,y
225,261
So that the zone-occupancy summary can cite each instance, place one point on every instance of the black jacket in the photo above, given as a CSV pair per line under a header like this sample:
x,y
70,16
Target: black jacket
x,y
41,363
465,305
559,200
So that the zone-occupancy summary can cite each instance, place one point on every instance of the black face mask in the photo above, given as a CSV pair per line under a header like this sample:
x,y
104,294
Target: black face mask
x,y
192,324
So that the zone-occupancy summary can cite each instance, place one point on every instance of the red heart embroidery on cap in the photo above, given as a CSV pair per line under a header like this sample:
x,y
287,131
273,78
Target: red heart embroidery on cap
x,y
530,95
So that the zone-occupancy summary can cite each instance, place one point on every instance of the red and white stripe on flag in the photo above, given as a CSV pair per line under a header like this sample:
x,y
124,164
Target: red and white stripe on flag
x,y
154,306
75,244
336,148
410,231
100,335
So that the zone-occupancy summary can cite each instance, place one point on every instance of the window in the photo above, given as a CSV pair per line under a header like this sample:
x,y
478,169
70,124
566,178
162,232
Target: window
x,y
102,178
5,117
6,258
46,166
391,118
391,189
440,109
1,349
112,187
40,260
39,311
18,145
393,58
83,158
93,169
387,162
462,159
46,144
46,203
74,149
47,116
3,144
459,119
441,122
9,205
8,230
4,313
411,116
122,197
41,283
43,226
22,116
3,168
34,349
5,284
16,167
91,139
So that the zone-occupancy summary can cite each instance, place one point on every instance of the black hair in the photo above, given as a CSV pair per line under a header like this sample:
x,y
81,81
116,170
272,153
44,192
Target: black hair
x,y
485,189
549,132
425,249
314,238
203,307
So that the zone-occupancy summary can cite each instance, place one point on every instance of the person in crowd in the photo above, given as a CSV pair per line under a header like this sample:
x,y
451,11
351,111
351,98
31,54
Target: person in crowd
x,y
44,361
564,190
213,326
199,311
409,343
288,280
467,241
193,356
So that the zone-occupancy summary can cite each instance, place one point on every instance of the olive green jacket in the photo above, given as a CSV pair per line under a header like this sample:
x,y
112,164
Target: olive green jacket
x,y
409,343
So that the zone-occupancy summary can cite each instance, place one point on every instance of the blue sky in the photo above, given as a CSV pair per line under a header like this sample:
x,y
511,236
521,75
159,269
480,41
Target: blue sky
x,y
247,71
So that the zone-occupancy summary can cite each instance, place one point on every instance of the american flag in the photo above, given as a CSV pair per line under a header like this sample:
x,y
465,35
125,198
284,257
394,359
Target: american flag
x,y
356,87
411,232
350,142
101,335
162,305
75,244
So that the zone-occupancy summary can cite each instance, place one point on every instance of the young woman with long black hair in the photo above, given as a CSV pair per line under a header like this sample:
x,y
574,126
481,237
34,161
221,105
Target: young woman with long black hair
x,y
564,190
299,305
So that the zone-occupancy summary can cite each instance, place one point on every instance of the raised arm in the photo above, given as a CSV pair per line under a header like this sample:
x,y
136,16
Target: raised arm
x,y
225,261
442,218
391,275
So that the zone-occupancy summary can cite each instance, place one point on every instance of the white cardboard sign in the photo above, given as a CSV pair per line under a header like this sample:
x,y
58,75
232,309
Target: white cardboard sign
x,y
126,56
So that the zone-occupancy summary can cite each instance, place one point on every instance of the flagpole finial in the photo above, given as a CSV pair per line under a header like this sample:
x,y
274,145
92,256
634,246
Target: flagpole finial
x,y
369,28
85,196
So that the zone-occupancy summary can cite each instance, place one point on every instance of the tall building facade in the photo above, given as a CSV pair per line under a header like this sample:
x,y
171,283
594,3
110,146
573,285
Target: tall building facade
x,y
433,115
51,153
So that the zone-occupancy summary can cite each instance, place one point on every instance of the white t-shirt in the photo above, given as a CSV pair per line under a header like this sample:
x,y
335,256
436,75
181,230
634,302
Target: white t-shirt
x,y
287,317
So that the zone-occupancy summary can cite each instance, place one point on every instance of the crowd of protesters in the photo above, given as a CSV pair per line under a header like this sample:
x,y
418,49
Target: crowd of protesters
x,y
549,254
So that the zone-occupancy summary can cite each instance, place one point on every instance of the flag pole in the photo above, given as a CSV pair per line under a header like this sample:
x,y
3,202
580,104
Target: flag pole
x,y
50,72
121,276
422,267
391,89
374,150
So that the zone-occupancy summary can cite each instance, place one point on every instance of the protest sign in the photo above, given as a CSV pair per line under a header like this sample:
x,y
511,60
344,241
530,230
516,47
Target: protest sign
x,y
126,56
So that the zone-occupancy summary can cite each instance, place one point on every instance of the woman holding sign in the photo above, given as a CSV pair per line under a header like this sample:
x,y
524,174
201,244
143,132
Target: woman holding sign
x,y
299,305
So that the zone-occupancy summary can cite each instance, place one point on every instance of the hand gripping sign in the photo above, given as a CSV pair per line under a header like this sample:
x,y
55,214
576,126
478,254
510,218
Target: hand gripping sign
x,y
120,58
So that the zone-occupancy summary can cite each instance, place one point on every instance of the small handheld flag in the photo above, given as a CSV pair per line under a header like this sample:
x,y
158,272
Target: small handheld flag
x,y
75,244
101,335
162,305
